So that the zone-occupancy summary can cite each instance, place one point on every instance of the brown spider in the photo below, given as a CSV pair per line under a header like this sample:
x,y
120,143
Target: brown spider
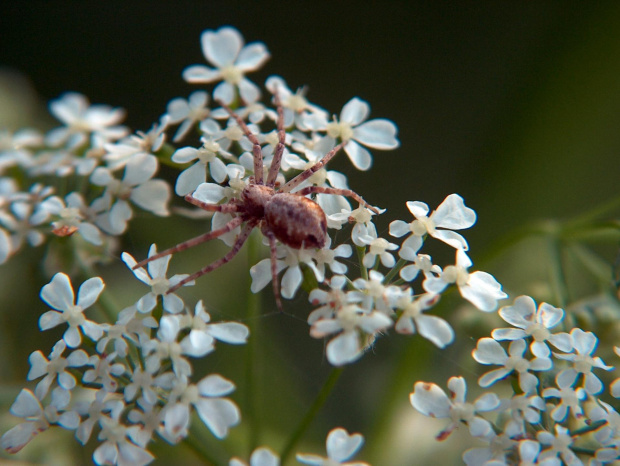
x,y
292,218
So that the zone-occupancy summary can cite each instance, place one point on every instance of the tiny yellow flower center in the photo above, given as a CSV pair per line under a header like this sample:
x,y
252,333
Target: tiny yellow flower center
x,y
341,129
231,74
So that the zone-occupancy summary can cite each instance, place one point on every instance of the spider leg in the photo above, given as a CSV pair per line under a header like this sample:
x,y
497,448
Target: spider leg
x,y
338,192
243,236
303,176
274,267
279,150
227,208
256,149
234,223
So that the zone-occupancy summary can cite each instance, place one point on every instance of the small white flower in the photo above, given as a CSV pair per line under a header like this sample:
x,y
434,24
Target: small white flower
x,y
104,371
59,294
341,446
495,454
608,433
529,451
218,414
523,408
585,344
533,323
166,348
295,105
355,328
489,351
26,406
202,333
375,294
452,214
421,263
331,300
479,288
55,368
190,178
378,247
291,260
81,119
361,217
21,223
156,279
130,325
353,129
188,112
136,186
225,50
558,444
117,446
569,399
413,318
137,145
70,216
432,401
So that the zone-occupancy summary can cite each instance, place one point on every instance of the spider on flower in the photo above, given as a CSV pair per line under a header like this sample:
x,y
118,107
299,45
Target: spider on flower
x,y
291,218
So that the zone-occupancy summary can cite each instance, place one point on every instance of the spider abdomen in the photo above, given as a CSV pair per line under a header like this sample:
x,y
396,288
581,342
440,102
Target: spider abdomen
x,y
296,221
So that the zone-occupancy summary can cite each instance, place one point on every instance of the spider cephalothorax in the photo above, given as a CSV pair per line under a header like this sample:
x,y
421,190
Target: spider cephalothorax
x,y
291,218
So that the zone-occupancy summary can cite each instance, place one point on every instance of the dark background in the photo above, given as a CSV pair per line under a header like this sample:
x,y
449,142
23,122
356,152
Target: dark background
x,y
502,102
513,105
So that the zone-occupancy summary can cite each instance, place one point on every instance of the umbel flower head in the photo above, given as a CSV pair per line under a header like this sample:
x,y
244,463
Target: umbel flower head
x,y
138,378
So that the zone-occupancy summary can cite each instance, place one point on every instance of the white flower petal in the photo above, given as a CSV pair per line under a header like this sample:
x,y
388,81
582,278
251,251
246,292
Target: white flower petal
x,y
399,228
483,291
89,292
215,385
218,415
453,214
210,193
185,155
291,281
343,349
248,91
252,56
341,446
360,157
201,74
430,400
378,134
229,332
221,47
355,111
50,319
152,196
488,351
435,329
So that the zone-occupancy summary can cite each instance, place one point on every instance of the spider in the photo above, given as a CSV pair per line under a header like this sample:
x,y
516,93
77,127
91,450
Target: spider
x,y
291,218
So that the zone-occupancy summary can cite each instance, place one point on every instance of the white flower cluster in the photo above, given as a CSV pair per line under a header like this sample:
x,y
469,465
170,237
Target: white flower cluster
x,y
102,171
131,379
132,384
355,312
554,414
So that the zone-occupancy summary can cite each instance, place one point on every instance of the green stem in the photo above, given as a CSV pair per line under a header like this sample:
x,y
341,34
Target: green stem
x,y
392,273
251,389
587,429
361,252
320,400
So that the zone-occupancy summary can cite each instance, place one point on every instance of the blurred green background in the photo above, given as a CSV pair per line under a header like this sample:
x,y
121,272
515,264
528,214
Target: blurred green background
x,y
513,105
